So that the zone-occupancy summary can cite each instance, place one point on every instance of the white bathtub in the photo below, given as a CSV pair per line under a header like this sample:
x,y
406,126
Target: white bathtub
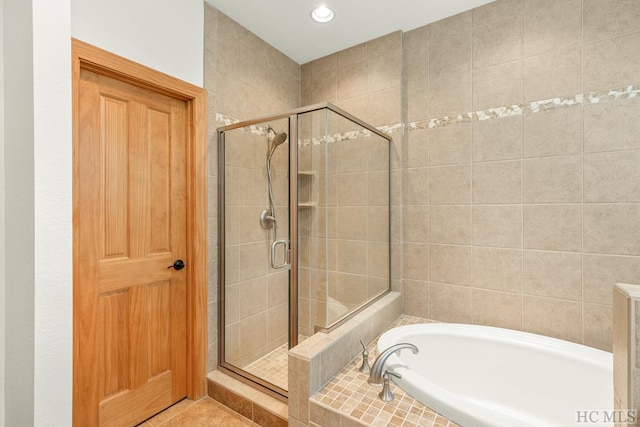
x,y
481,376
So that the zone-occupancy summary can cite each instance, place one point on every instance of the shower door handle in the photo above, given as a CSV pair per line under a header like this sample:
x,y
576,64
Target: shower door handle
x,y
285,262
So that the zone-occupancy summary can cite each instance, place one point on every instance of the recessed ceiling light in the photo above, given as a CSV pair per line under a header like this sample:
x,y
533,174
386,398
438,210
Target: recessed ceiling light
x,y
322,14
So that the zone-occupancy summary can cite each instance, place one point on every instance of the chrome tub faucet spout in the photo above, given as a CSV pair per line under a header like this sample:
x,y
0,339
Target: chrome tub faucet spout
x,y
377,370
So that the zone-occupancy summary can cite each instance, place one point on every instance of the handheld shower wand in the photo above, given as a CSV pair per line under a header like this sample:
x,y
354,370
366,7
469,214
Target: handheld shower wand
x,y
277,139
268,217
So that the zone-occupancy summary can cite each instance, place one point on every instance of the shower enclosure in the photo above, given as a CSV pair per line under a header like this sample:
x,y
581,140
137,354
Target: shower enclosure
x,y
304,226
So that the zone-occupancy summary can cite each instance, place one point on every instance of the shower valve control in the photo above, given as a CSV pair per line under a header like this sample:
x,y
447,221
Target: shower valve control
x,y
267,220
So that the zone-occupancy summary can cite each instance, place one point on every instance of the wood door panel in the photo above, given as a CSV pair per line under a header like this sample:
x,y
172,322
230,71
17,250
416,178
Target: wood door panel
x,y
139,177
119,219
114,351
159,295
159,145
116,274
131,308
135,338
139,330
125,408
114,146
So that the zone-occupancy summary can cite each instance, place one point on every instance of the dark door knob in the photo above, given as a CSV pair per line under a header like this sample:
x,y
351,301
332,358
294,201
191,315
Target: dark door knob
x,y
178,264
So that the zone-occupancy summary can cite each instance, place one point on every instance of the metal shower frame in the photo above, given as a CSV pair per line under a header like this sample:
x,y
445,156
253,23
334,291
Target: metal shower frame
x,y
292,115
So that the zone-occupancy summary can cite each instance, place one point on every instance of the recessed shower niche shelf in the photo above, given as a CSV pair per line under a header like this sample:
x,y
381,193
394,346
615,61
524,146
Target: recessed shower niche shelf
x,y
305,174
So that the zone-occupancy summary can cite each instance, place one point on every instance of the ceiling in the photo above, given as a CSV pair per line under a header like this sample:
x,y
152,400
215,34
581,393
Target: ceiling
x,y
287,24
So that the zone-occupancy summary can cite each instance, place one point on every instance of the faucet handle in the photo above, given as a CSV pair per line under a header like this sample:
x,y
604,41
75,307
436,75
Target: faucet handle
x,y
364,368
385,395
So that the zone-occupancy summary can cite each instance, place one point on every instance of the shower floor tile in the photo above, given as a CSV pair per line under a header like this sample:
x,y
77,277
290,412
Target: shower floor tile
x,y
273,367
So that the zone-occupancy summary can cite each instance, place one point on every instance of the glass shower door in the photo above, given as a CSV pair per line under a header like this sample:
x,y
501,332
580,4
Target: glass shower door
x,y
304,233
254,227
344,217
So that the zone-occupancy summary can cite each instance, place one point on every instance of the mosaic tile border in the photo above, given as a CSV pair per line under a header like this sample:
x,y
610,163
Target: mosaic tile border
x,y
224,120
581,99
349,136
596,97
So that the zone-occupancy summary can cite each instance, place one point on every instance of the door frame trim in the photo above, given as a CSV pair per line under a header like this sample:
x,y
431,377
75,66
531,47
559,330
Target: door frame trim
x,y
88,57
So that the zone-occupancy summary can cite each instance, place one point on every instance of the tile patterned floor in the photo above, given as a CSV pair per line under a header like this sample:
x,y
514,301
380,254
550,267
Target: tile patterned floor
x,y
201,413
349,393
273,366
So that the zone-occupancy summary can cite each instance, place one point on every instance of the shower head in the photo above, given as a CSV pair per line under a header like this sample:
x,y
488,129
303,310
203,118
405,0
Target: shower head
x,y
277,139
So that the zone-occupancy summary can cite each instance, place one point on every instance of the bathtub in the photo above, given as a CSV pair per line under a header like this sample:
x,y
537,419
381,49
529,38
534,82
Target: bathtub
x,y
480,376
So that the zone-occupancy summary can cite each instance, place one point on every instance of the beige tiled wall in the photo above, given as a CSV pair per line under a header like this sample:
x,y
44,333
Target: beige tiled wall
x,y
626,352
246,78
525,221
315,361
366,81
210,83
343,236
256,296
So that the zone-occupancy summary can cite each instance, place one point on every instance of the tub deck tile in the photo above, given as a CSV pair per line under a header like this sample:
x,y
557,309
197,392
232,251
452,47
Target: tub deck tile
x,y
349,394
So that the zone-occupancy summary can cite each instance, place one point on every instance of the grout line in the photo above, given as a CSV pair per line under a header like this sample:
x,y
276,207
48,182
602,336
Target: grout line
x,y
582,158
473,300
522,184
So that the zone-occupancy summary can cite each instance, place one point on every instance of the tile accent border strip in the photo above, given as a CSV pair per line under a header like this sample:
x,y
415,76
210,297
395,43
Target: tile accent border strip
x,y
224,120
596,97
581,99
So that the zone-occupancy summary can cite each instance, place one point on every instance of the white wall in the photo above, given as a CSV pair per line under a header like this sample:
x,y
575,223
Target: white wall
x,y
1,213
166,35
38,375
19,213
53,212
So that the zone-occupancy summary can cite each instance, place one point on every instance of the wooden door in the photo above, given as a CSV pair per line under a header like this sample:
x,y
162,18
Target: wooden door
x,y
130,312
